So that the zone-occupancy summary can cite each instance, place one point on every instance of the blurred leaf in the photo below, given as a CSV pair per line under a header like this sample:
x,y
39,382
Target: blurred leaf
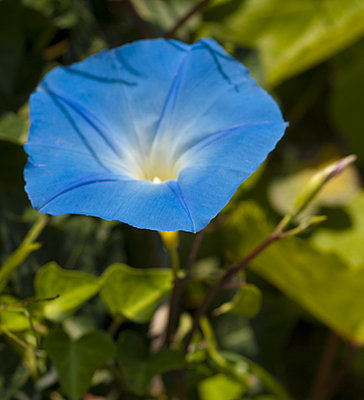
x,y
134,293
138,367
247,301
348,243
12,319
13,128
293,36
220,387
269,382
77,361
336,192
165,14
77,326
302,272
73,288
22,252
240,368
63,13
346,110
10,388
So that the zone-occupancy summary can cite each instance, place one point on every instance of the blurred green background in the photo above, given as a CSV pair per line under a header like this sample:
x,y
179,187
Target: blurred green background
x,y
309,54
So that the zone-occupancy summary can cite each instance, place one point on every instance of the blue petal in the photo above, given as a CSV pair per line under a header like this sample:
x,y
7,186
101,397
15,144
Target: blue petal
x,y
139,203
102,129
218,165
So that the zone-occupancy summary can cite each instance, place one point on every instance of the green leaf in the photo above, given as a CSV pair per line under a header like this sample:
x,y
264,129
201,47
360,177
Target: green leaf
x,y
348,243
134,293
22,252
13,128
65,14
293,36
239,368
220,387
12,318
320,282
269,382
73,288
138,367
247,301
77,361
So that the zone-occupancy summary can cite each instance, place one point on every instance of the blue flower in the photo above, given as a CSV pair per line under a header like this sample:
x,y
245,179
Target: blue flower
x,y
157,134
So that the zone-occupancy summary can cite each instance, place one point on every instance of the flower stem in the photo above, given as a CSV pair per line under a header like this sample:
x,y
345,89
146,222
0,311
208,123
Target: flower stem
x,y
275,235
174,262
21,342
178,288
18,256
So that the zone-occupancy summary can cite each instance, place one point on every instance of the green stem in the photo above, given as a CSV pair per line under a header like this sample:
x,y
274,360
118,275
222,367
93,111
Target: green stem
x,y
175,296
174,262
22,252
222,281
21,342
179,285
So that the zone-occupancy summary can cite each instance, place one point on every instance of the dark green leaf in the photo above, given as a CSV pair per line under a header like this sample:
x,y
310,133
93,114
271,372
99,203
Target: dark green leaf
x,y
138,367
77,361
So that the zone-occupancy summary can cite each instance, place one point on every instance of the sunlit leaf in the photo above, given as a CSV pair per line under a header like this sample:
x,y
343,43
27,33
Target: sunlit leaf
x,y
77,361
220,387
134,293
292,36
348,243
320,282
13,128
12,318
73,288
247,301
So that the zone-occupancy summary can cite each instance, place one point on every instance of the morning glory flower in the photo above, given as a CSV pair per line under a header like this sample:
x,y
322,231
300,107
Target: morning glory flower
x,y
157,134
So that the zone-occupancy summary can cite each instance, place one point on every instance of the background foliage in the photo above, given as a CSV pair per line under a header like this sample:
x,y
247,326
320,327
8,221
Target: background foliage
x,y
104,286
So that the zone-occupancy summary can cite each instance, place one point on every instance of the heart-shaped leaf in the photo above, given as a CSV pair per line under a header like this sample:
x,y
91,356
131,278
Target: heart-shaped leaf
x,y
73,288
77,361
134,293
138,368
